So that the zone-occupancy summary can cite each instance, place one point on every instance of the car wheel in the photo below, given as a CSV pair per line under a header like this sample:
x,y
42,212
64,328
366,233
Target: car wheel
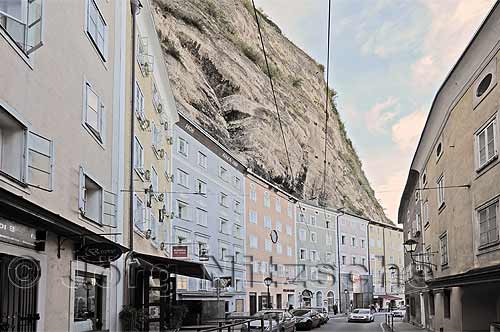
x,y
309,325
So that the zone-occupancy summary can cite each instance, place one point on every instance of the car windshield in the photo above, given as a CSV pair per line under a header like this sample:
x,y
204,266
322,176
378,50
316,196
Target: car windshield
x,y
273,314
361,311
300,312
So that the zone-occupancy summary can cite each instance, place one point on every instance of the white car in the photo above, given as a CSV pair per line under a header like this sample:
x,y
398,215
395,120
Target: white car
x,y
399,313
360,315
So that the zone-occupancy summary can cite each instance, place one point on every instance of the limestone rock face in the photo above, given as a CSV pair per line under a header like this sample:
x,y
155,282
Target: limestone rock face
x,y
219,78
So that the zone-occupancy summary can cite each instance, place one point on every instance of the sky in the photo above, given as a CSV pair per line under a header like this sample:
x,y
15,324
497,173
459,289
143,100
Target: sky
x,y
388,58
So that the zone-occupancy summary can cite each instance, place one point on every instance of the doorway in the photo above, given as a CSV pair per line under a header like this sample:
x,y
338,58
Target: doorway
x,y
279,301
253,303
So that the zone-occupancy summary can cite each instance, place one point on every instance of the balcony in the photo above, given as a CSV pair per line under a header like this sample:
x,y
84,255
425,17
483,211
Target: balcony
x,y
22,21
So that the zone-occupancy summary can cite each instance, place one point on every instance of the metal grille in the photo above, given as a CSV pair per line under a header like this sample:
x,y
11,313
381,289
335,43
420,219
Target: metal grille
x,y
18,294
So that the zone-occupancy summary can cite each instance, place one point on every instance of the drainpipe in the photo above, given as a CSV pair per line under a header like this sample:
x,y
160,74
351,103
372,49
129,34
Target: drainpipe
x,y
135,6
338,256
385,260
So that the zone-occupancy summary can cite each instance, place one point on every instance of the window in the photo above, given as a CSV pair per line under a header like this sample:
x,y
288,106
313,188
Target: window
x,y
443,246
484,85
139,214
328,257
314,255
254,242
302,234
353,260
182,210
237,183
223,199
223,173
12,146
342,239
312,220
277,204
279,249
314,273
303,254
237,206
139,101
302,218
343,260
353,241
439,150
201,217
363,261
290,210
253,217
267,222
93,112
486,144
424,178
432,308
183,147
267,200
440,191
278,226
488,228
144,59
182,282
91,196
14,18
156,138
201,187
288,229
223,226
289,251
40,158
253,193
157,98
362,243
314,237
154,181
138,156
237,231
223,253
425,212
268,245
183,178
96,28
90,301
202,160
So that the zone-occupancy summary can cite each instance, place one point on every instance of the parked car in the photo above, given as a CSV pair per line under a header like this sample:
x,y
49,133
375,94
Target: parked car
x,y
360,315
306,318
399,313
323,313
282,321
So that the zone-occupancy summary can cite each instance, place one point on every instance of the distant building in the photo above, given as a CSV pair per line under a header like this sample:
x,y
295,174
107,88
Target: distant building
x,y
316,256
209,218
450,204
270,244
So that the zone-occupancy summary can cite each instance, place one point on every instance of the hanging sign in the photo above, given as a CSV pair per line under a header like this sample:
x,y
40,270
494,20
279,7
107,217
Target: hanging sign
x,y
99,253
180,251
17,234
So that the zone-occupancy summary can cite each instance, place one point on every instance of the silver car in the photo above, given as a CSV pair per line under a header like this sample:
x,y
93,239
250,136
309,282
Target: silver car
x,y
282,321
360,315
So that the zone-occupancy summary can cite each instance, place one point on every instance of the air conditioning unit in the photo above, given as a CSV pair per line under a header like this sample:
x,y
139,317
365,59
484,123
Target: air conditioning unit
x,y
161,197
140,115
161,153
172,215
170,140
170,178
140,170
147,175
159,107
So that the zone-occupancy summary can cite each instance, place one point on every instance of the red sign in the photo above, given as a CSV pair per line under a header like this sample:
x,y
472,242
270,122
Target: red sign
x,y
180,251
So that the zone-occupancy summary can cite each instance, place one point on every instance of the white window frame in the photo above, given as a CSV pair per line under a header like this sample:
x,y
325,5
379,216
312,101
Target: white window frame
x,y
201,221
303,250
268,223
223,198
267,199
84,175
187,210
444,258
440,184
302,234
101,49
486,208
139,100
202,160
314,237
484,130
254,242
138,160
253,217
201,187
184,153
180,176
253,192
97,133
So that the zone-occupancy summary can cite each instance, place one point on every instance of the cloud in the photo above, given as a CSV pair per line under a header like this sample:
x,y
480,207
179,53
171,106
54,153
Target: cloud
x,y
451,27
406,132
379,116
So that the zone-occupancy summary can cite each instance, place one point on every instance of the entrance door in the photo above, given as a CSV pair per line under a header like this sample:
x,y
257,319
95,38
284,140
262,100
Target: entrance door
x,y
279,301
18,294
253,303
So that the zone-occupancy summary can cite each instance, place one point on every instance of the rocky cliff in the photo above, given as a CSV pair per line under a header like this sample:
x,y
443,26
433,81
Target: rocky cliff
x,y
220,80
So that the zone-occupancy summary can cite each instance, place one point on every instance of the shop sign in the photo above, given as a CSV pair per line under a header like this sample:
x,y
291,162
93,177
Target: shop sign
x,y
17,234
99,253
180,251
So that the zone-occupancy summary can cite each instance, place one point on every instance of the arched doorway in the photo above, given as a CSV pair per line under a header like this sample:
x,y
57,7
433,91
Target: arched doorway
x,y
307,298
330,296
319,299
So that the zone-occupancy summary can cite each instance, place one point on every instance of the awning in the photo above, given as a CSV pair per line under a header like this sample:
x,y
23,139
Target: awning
x,y
391,297
177,266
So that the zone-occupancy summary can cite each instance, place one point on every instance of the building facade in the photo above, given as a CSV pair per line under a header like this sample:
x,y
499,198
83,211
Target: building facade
x,y
209,218
355,280
59,181
316,256
270,245
450,203
386,264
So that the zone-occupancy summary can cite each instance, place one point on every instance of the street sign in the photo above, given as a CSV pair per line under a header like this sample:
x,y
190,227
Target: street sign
x,y
17,234
180,251
99,253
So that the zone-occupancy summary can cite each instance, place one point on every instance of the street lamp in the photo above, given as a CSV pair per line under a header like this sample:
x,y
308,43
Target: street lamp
x,y
410,246
268,281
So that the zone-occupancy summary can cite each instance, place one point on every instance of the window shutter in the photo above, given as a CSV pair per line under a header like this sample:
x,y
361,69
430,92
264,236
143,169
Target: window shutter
x,y
35,26
81,192
40,162
109,208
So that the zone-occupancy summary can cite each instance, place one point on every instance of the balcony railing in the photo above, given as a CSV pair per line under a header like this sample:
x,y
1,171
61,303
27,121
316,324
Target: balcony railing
x,y
22,20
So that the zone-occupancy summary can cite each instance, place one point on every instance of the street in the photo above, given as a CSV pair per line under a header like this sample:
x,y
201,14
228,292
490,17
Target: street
x,y
341,324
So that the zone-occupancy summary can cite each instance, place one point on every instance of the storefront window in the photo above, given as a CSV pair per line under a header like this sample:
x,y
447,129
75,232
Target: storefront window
x,y
89,296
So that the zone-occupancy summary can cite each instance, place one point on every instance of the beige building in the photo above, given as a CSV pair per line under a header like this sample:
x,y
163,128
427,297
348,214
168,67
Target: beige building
x,y
386,263
450,203
59,153
270,244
